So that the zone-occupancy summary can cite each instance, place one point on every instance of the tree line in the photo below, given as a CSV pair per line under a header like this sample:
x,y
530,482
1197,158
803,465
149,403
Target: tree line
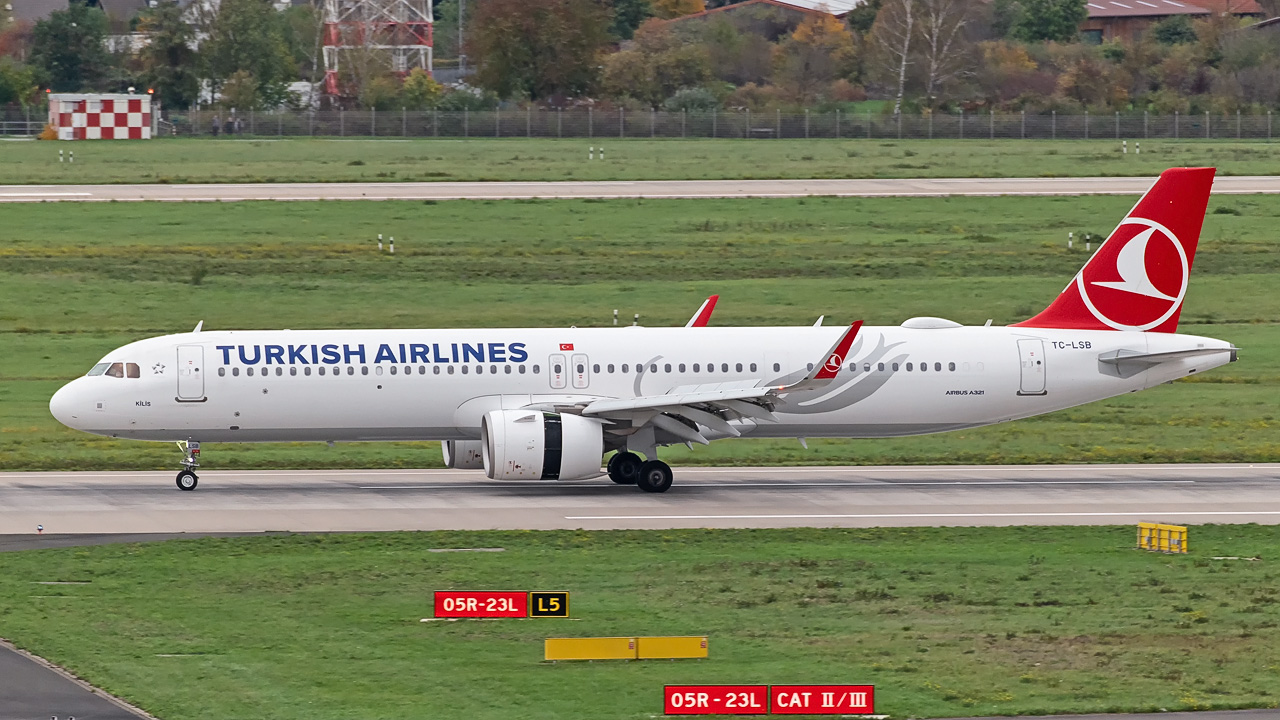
x,y
912,56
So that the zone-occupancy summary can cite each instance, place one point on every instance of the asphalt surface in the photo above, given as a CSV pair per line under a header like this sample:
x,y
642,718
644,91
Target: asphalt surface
x,y
71,503
617,189
31,689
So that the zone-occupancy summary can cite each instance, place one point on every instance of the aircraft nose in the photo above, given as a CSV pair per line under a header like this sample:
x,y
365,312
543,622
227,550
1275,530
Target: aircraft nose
x,y
63,406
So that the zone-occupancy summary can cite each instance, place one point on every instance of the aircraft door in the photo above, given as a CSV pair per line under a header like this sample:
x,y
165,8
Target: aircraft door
x,y
190,372
580,371
1031,353
557,372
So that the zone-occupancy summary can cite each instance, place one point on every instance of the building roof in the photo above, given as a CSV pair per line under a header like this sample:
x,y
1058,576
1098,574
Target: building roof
x,y
33,10
838,8
1162,8
122,9
1235,7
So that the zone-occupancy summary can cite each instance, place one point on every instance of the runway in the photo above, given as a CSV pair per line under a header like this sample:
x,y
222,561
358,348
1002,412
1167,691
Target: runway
x,y
655,189
377,500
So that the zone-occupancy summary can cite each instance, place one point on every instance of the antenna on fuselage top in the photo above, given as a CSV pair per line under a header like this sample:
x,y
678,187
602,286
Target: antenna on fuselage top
x,y
198,326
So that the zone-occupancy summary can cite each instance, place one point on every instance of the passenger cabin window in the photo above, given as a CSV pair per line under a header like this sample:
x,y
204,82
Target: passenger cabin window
x,y
116,370
222,372
98,369
695,367
753,367
951,367
777,367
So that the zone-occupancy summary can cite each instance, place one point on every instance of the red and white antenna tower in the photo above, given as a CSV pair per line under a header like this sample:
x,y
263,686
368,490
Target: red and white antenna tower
x,y
398,31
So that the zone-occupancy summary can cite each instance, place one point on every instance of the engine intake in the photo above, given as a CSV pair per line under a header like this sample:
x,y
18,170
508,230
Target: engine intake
x,y
463,454
536,445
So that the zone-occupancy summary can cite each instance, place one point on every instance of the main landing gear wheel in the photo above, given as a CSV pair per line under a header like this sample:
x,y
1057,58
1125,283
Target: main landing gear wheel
x,y
624,468
187,480
655,476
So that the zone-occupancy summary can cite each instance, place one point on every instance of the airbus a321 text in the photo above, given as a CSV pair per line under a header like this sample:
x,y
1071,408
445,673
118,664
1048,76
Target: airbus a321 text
x,y
549,404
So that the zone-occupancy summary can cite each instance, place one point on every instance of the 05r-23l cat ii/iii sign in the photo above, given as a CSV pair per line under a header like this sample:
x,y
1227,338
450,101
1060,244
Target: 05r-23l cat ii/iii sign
x,y
548,404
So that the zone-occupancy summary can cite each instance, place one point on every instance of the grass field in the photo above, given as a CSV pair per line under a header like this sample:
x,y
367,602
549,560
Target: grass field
x,y
350,160
944,622
78,280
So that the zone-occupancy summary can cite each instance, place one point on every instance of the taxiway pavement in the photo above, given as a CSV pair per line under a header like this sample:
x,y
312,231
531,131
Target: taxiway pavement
x,y
376,500
656,189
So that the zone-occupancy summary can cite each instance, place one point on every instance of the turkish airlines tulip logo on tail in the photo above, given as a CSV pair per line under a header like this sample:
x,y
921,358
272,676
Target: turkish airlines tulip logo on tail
x,y
1138,278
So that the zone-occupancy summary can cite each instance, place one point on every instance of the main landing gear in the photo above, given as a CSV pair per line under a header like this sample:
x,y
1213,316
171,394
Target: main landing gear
x,y
187,477
626,468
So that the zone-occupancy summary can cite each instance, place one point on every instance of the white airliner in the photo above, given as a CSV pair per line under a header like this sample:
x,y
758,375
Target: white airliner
x,y
548,404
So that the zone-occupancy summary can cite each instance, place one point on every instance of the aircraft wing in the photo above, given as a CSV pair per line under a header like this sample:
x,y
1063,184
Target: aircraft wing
x,y
680,411
703,315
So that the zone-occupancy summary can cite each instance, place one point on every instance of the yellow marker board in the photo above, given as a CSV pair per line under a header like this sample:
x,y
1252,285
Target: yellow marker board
x,y
1162,538
609,648
654,648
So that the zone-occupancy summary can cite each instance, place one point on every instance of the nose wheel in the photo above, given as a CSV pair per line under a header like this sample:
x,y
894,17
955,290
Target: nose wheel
x,y
190,461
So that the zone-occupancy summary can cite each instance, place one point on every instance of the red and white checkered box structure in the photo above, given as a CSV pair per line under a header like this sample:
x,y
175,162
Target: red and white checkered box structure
x,y
101,117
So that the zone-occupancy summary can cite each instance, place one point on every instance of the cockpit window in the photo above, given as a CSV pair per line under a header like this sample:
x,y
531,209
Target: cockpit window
x,y
116,370
131,370
98,369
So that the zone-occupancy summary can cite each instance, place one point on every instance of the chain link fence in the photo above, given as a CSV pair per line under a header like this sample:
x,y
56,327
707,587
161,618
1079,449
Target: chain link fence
x,y
590,123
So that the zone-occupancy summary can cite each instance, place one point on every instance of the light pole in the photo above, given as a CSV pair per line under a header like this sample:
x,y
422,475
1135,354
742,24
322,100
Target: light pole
x,y
462,56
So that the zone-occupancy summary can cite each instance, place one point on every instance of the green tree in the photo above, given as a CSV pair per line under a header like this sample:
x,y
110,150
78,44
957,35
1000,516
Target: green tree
x,y
1174,30
538,48
658,66
240,91
17,83
168,62
420,91
1049,20
249,36
627,16
68,48
862,17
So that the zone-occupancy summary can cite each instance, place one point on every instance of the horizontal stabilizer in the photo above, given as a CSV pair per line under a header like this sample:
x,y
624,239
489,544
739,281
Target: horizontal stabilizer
x,y
1127,363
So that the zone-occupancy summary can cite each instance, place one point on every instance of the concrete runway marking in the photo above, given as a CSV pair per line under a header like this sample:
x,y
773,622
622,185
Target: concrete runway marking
x,y
924,516
936,483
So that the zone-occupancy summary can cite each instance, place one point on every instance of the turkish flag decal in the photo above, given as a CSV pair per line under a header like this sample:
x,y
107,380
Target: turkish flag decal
x,y
566,346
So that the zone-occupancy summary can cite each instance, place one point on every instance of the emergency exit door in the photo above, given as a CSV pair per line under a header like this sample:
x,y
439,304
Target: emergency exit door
x,y
557,372
190,372
1031,353
580,372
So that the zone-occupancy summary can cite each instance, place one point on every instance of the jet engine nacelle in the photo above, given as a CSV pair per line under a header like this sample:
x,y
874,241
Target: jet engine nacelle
x,y
463,454
537,445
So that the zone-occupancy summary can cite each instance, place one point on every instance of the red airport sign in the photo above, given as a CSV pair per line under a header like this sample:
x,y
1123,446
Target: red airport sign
x,y
465,604
822,699
715,699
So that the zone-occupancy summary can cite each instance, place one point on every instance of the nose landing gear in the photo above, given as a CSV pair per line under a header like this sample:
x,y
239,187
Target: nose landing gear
x,y
187,477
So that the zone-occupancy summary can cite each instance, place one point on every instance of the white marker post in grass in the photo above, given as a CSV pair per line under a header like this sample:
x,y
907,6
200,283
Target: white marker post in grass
x,y
1124,147
1137,148
591,152
615,318
1070,239
1088,242
59,156
379,242
392,245
601,152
